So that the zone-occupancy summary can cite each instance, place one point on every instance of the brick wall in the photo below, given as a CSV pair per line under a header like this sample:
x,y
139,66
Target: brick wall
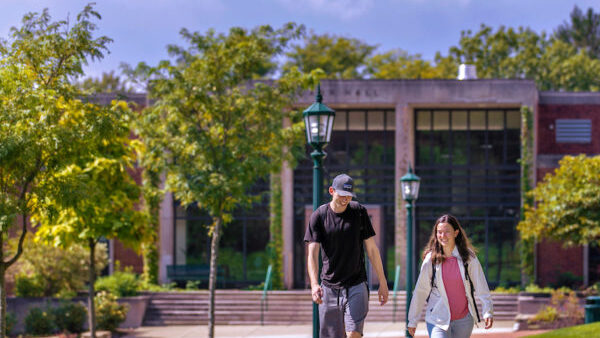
x,y
546,138
127,257
552,258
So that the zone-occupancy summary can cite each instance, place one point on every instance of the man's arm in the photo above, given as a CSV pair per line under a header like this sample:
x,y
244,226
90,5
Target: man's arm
x,y
313,271
375,258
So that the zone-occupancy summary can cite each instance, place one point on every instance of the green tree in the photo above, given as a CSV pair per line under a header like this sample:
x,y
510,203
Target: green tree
x,y
107,83
524,54
95,197
566,204
59,270
338,57
219,131
583,32
43,126
398,64
505,53
151,160
563,67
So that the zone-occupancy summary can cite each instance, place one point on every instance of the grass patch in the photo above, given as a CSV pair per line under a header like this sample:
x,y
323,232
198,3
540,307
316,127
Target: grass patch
x,y
587,330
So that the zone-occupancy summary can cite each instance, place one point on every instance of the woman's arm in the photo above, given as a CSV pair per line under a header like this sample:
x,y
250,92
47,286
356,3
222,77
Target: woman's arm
x,y
421,292
482,291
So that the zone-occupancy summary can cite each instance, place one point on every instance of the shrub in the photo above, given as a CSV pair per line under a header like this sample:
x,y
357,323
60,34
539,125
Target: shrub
x,y
29,286
548,314
568,306
59,272
109,313
569,280
536,288
563,311
70,317
502,289
120,284
192,285
40,322
11,321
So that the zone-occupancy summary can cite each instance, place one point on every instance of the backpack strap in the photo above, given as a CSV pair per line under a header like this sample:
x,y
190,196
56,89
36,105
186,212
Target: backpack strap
x,y
432,280
466,265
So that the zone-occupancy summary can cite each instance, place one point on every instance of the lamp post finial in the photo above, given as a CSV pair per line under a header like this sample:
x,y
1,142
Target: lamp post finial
x,y
319,97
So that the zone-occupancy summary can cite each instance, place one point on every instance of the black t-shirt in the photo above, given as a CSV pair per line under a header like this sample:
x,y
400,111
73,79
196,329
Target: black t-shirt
x,y
341,238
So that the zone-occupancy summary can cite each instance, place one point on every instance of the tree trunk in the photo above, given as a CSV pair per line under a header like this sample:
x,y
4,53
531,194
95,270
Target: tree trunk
x,y
212,280
92,277
2,289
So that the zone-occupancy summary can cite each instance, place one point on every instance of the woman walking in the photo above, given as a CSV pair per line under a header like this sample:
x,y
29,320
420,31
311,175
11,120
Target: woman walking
x,y
450,279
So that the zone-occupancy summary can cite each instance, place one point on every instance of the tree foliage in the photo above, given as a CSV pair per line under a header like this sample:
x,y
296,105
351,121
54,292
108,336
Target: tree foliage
x,y
566,204
106,83
398,64
59,271
338,57
95,197
505,53
523,54
215,130
582,32
44,127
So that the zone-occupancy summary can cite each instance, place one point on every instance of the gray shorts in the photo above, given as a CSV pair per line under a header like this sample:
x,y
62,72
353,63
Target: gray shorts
x,y
343,310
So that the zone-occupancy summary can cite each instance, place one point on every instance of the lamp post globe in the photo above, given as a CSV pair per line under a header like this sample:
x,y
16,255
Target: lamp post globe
x,y
318,121
410,192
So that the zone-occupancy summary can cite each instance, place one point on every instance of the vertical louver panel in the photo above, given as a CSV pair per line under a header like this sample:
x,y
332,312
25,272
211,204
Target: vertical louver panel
x,y
573,131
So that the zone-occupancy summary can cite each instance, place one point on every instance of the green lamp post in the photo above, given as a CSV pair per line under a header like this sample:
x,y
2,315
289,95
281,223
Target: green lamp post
x,y
318,121
410,192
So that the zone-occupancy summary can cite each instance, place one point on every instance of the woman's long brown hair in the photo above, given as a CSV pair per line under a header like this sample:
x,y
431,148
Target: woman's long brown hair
x,y
465,249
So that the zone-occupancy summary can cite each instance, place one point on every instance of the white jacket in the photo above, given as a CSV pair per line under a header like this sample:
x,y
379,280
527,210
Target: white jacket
x,y
438,309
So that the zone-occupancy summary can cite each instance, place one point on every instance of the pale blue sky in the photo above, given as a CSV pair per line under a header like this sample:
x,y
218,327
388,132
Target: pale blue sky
x,y
141,29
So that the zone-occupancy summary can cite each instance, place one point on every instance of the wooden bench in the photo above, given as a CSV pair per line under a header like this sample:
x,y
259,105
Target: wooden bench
x,y
194,272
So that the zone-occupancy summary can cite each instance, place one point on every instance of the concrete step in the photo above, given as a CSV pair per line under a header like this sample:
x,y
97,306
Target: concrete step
x,y
283,307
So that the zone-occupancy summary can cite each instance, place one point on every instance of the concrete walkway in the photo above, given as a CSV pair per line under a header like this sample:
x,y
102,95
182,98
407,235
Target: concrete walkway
x,y
501,329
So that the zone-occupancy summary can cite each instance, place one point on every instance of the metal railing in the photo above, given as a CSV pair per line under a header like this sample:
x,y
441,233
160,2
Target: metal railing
x,y
264,305
395,294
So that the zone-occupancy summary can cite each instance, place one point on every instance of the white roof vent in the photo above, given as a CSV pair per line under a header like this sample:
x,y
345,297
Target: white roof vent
x,y
467,72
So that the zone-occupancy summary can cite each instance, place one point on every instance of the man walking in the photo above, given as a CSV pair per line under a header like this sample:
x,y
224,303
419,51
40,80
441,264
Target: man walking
x,y
342,230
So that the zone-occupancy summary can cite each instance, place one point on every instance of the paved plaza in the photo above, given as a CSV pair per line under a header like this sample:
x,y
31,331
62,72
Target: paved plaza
x,y
501,329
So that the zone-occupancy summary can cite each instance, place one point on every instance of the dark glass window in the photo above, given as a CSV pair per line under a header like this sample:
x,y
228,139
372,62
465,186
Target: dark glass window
x,y
467,161
243,246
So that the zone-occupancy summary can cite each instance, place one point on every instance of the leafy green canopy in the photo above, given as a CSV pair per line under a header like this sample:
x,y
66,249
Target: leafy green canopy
x,y
567,203
43,126
523,54
215,129
568,60
583,32
338,57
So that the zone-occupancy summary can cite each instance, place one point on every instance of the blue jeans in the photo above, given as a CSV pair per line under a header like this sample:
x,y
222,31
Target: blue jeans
x,y
460,328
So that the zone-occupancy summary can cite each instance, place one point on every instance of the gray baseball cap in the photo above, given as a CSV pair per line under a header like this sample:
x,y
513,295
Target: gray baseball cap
x,y
343,185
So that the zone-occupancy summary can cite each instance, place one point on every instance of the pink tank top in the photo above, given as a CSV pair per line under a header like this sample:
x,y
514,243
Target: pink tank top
x,y
455,289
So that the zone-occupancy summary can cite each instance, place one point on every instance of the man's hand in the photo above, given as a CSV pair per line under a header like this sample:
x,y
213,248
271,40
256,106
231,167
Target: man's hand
x,y
411,331
383,293
317,293
489,322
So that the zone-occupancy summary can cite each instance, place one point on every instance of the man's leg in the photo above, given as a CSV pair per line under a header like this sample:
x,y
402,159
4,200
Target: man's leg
x,y
331,315
356,308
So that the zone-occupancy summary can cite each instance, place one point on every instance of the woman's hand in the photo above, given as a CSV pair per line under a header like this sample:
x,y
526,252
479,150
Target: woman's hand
x,y
489,322
411,331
